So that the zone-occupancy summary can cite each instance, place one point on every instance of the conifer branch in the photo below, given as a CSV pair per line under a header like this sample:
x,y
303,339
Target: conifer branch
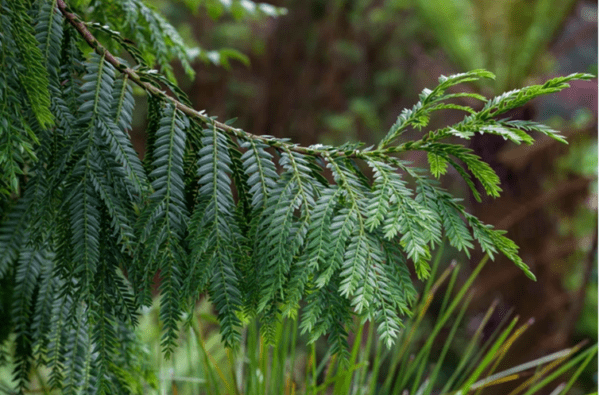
x,y
417,117
206,213
102,51
82,29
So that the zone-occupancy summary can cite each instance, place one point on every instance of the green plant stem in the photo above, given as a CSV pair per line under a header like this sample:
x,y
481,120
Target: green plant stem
x,y
578,372
488,343
365,353
212,380
423,357
505,347
470,347
449,339
442,321
515,371
489,357
434,267
401,357
377,361
293,346
587,355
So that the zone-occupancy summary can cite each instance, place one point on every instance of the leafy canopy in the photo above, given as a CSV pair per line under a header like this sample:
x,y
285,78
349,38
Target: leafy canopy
x,y
262,225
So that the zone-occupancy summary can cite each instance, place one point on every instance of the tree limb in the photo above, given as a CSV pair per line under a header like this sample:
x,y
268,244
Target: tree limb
x,y
82,29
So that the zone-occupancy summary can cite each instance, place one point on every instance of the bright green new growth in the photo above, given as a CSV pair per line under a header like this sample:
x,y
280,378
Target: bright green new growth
x,y
252,220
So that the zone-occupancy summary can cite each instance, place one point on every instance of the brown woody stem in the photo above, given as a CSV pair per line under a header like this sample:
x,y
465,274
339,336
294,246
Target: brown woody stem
x,y
74,20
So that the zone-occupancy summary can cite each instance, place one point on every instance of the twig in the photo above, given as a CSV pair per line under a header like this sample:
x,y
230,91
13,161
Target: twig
x,y
80,26
102,51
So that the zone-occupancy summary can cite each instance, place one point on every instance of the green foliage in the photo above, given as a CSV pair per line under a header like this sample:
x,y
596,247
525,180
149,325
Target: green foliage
x,y
156,41
202,366
32,74
253,221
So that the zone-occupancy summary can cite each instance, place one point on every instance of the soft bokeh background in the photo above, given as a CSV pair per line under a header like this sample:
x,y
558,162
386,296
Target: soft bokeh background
x,y
342,70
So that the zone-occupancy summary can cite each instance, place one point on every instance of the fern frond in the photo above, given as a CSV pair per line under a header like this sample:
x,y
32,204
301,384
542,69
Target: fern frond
x,y
167,176
364,299
31,262
342,227
316,255
154,116
214,199
302,172
361,248
17,139
508,247
175,44
326,311
33,76
81,199
156,39
42,207
56,339
72,68
531,126
351,180
213,235
437,164
76,351
103,337
85,224
313,311
259,167
356,260
403,216
225,294
163,222
404,291
279,236
42,307
518,97
456,231
481,234
451,106
123,103
446,82
170,259
493,240
12,235
49,34
107,188
239,178
385,313
480,169
120,148
338,320
96,97
413,226
418,116
127,309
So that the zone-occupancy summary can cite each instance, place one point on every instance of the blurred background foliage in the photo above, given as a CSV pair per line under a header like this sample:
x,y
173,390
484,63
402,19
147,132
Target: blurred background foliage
x,y
332,71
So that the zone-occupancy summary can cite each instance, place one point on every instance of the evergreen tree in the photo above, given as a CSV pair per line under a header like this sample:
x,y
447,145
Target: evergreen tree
x,y
259,223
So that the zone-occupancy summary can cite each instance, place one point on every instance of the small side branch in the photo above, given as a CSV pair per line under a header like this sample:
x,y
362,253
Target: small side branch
x,y
82,29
